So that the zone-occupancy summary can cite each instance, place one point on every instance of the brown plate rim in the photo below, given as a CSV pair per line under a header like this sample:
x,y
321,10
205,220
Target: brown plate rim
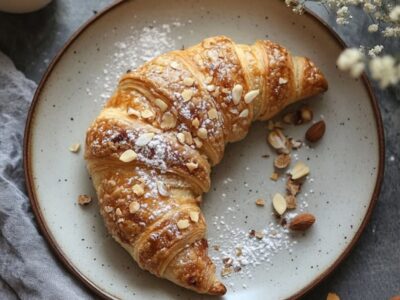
x,y
98,290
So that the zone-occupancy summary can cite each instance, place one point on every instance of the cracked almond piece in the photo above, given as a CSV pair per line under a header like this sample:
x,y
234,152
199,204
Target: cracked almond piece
x,y
74,148
291,201
278,140
282,161
293,187
274,176
299,171
84,199
260,202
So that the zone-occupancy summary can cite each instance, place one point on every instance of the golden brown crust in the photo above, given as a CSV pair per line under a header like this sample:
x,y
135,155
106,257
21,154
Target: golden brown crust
x,y
151,149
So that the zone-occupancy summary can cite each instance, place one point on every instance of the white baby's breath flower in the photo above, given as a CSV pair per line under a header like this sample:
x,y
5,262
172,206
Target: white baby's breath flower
x,y
352,61
369,7
343,11
373,28
391,31
384,70
394,14
341,21
375,50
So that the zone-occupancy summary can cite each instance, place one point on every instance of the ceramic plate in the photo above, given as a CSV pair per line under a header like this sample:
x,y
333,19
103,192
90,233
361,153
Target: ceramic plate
x,y
346,166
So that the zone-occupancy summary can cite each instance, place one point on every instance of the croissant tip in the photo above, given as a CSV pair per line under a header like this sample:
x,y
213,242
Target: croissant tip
x,y
217,289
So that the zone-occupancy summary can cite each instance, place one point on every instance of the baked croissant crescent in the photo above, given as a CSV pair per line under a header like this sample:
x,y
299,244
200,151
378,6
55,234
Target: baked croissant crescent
x,y
151,149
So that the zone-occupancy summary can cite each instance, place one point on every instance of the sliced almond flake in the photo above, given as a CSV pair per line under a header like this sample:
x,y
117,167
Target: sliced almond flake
x,y
202,133
161,104
84,199
162,189
181,137
187,94
208,80
212,113
183,224
174,65
168,121
210,87
250,96
144,139
118,212
226,271
188,137
133,112
194,216
196,123
134,207
238,251
198,142
188,81
282,80
147,114
74,148
260,202
244,113
259,235
192,166
120,220
108,209
138,190
299,170
237,93
279,203
128,156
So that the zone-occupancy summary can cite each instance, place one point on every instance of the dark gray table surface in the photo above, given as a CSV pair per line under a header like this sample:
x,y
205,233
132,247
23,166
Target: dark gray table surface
x,y
372,271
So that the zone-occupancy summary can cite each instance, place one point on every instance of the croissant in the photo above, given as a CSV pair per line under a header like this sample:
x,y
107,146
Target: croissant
x,y
151,149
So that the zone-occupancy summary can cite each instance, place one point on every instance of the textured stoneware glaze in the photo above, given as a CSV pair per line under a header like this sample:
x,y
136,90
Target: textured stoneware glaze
x,y
345,165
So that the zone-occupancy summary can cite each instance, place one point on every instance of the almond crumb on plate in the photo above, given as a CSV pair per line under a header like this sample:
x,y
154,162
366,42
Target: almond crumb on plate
x,y
274,176
84,199
260,202
74,148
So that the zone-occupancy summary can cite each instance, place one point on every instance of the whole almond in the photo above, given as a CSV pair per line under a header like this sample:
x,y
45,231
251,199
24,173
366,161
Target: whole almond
x,y
302,222
316,131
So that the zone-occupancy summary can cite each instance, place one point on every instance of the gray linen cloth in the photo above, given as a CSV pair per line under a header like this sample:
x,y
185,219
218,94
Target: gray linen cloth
x,y
28,270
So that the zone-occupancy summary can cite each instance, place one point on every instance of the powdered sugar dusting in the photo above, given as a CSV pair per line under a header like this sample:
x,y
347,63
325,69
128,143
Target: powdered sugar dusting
x,y
140,46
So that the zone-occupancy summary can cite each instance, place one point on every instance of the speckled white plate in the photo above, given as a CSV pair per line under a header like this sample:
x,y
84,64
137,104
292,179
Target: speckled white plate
x,y
346,165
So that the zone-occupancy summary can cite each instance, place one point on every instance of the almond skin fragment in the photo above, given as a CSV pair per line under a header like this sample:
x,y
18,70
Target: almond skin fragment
x,y
302,222
316,132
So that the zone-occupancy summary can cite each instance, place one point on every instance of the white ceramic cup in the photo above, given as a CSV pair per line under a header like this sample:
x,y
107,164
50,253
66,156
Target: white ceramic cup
x,y
22,6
